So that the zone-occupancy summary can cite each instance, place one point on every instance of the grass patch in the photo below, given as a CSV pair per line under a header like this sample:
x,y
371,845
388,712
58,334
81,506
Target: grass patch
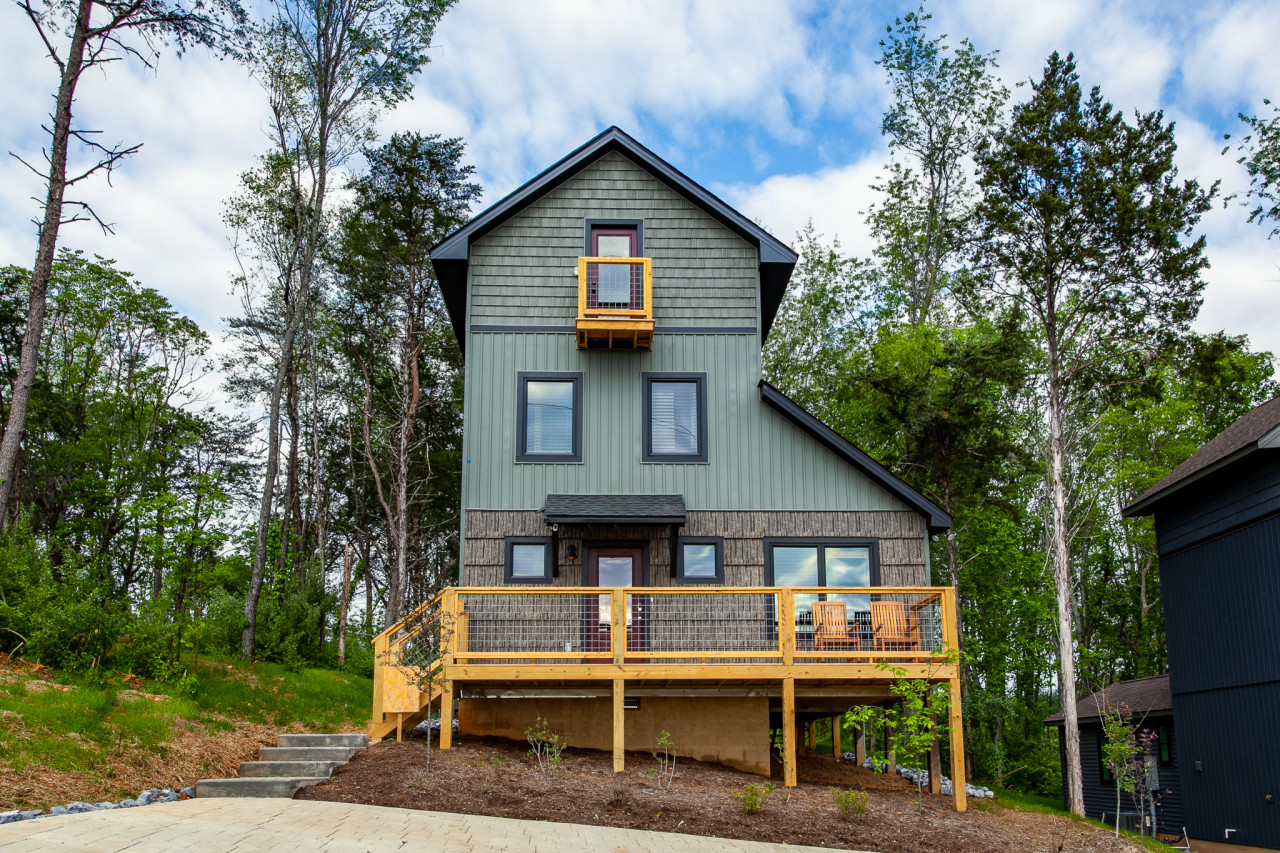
x,y
119,733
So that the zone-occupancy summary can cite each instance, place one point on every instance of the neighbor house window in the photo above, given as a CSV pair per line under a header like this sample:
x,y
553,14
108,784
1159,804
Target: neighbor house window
x,y
824,562
700,560
675,417
1166,754
549,417
528,560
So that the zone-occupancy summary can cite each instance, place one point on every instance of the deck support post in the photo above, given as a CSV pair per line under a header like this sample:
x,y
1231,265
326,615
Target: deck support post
x,y
789,732
813,736
935,754
446,715
399,727
835,737
619,725
860,745
956,723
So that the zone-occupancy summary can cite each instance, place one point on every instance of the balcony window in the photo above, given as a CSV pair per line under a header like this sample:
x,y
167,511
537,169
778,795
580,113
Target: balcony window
x,y
614,288
675,417
823,562
549,417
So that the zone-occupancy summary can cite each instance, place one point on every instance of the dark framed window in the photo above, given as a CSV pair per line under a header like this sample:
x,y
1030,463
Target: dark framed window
x,y
1104,772
1163,747
675,417
823,562
528,559
700,559
549,417
633,229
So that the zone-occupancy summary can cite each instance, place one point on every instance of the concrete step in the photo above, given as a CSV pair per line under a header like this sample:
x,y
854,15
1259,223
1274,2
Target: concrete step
x,y
350,741
306,753
301,769
263,786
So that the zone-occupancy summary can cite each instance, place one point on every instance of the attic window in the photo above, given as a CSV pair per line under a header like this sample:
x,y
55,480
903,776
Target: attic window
x,y
619,286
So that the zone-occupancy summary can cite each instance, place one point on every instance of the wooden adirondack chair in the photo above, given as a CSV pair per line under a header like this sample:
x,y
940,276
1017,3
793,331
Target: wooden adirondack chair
x,y
892,628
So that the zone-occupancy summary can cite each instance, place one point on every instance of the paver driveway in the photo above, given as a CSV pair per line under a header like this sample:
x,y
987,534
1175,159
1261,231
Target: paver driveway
x,y
242,825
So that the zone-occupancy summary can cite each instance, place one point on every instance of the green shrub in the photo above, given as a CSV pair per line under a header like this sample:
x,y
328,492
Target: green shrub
x,y
755,796
850,803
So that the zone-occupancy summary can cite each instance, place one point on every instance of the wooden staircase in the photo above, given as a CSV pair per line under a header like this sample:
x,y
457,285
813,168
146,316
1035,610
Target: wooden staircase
x,y
402,696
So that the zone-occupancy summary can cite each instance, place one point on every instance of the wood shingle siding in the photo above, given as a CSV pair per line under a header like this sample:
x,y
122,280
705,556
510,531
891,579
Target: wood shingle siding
x,y
524,271
900,534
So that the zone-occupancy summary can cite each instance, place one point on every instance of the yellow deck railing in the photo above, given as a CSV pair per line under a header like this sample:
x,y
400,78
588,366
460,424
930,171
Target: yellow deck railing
x,y
612,319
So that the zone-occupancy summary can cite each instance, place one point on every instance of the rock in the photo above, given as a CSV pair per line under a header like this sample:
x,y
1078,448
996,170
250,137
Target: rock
x,y
57,810
9,817
31,814
170,797
188,793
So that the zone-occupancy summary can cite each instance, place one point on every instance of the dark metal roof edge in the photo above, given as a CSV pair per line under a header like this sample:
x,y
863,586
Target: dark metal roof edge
x,y
1147,505
842,447
614,519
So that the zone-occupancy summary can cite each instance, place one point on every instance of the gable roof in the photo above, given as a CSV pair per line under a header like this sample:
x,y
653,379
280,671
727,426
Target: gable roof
x,y
451,255
1144,697
846,450
1255,430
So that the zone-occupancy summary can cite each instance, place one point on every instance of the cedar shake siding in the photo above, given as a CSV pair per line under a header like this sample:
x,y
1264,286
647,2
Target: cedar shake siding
x,y
900,535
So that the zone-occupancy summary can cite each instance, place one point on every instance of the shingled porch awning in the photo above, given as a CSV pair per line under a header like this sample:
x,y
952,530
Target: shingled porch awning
x,y
614,509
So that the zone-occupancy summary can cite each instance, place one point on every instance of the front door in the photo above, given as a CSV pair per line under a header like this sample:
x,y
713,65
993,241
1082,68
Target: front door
x,y
610,568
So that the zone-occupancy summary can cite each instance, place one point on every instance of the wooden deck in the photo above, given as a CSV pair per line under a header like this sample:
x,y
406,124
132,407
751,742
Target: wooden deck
x,y
502,640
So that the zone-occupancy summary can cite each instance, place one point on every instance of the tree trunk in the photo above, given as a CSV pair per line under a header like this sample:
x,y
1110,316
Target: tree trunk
x,y
1062,589
342,611
36,303
248,636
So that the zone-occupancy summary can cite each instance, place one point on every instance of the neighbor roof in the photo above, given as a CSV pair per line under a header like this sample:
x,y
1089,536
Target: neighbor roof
x,y
846,450
614,509
1143,697
451,255
1258,429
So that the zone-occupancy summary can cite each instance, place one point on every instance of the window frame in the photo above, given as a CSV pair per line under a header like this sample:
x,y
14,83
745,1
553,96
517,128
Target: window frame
x,y
508,568
717,541
699,380
1105,776
822,543
523,378
608,224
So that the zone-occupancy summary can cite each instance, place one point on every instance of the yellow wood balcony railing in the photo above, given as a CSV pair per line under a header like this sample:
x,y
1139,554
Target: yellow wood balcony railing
x,y
615,303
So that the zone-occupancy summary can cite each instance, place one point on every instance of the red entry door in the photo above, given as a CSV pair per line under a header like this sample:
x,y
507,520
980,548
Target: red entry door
x,y
610,568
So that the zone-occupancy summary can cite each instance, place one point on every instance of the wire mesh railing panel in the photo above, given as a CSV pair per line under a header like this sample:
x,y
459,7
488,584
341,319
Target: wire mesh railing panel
x,y
615,286
702,622
527,624
899,625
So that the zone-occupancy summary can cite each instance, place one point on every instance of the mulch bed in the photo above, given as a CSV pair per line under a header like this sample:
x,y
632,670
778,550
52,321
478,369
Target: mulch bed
x,y
491,776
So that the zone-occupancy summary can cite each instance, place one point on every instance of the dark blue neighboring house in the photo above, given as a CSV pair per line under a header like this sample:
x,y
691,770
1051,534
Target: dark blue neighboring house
x,y
1150,707
1217,519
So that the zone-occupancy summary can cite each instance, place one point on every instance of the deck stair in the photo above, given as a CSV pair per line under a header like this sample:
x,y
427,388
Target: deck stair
x,y
296,761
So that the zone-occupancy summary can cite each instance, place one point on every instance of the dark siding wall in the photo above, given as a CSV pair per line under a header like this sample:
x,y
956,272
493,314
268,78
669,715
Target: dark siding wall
x,y
1235,734
1100,797
1239,494
1222,609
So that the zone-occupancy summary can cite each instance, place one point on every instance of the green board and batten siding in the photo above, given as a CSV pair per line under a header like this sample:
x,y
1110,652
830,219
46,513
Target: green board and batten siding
x,y
523,273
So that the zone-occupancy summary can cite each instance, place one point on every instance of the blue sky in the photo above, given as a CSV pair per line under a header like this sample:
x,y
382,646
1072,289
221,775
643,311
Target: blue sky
x,y
776,106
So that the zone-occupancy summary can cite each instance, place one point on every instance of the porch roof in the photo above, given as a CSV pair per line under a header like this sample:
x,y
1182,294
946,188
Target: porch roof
x,y
614,509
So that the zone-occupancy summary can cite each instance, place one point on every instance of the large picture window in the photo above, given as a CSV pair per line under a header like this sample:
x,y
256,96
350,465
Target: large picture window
x,y
675,417
549,417
823,562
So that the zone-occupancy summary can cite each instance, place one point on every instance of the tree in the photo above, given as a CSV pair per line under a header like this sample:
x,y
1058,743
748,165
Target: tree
x,y
1260,155
415,192
328,66
96,32
1087,229
945,103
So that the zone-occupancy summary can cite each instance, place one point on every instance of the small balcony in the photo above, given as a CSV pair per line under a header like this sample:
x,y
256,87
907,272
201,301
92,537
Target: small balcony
x,y
615,303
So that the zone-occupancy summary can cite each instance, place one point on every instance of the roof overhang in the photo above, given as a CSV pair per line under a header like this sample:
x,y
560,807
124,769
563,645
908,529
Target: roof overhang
x,y
451,256
615,509
1147,505
938,520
